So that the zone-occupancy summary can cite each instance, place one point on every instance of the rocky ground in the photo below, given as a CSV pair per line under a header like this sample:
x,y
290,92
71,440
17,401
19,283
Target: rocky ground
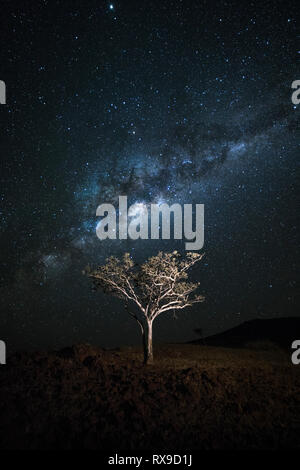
x,y
193,397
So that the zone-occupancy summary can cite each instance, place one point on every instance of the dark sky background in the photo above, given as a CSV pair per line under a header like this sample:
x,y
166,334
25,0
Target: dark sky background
x,y
180,101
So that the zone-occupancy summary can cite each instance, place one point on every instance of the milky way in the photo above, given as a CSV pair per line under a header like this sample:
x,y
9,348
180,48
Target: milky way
x,y
176,102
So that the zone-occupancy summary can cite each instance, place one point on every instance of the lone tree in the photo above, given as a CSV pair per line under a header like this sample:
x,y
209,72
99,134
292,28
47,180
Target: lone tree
x,y
157,286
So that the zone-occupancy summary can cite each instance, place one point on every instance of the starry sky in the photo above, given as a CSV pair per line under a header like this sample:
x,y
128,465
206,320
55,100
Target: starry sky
x,y
174,101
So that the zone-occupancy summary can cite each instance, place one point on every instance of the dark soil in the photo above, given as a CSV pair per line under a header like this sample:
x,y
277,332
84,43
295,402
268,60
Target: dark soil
x,y
194,397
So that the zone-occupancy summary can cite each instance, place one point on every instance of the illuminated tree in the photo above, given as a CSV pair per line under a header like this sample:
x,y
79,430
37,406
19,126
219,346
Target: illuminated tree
x,y
157,286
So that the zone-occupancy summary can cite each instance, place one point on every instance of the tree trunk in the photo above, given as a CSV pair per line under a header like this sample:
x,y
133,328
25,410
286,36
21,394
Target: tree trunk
x,y
147,343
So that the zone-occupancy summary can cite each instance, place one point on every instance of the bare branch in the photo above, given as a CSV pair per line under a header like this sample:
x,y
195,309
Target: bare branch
x,y
157,286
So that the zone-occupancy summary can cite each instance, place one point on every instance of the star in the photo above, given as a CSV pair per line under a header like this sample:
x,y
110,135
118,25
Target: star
x,y
160,120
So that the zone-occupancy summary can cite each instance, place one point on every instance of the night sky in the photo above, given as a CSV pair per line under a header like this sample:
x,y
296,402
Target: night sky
x,y
174,101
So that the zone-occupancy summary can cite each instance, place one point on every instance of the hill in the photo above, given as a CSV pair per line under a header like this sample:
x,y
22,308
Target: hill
x,y
279,331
